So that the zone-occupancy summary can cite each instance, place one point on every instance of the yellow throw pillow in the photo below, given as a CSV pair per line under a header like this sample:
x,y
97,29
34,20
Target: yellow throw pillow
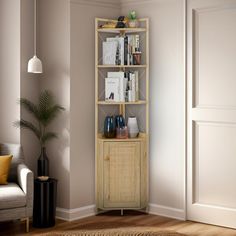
x,y
5,163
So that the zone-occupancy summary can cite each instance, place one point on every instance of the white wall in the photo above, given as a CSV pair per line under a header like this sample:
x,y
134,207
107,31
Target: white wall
x,y
9,69
167,102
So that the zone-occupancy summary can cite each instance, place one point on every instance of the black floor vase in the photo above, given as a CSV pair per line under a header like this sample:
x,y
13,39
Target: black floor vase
x,y
43,163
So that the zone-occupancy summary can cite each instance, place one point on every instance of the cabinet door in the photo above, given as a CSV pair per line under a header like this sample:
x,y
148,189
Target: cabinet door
x,y
121,174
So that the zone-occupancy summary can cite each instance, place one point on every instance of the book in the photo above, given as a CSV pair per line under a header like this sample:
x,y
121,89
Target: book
x,y
136,86
133,47
122,86
133,87
136,43
112,89
126,50
120,44
109,50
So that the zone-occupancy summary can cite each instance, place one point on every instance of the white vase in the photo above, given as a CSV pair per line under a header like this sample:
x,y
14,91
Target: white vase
x,y
133,129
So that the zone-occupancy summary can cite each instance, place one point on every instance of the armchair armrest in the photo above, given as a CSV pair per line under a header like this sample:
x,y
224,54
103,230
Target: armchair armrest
x,y
26,181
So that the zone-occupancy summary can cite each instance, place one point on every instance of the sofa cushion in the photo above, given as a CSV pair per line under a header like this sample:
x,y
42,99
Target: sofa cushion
x,y
5,163
11,196
18,158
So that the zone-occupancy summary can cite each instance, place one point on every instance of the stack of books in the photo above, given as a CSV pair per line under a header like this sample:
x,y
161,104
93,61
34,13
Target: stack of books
x,y
119,50
122,86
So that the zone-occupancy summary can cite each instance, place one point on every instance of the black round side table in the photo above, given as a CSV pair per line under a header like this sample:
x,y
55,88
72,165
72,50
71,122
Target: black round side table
x,y
45,195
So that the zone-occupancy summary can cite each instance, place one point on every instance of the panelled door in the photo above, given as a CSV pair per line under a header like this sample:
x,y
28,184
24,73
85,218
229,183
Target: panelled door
x,y
211,83
121,174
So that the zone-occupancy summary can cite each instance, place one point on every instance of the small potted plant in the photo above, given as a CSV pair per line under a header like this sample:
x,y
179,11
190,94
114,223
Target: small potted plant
x,y
133,22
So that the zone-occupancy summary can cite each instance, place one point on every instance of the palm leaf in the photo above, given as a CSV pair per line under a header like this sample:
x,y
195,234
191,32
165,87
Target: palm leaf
x,y
30,107
44,112
23,124
48,110
45,100
51,113
48,136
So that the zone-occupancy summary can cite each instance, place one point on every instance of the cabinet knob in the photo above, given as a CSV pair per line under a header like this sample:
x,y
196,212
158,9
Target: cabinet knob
x,y
107,158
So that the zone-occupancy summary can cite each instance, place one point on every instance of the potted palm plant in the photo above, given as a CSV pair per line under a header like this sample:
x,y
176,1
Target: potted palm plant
x,y
43,113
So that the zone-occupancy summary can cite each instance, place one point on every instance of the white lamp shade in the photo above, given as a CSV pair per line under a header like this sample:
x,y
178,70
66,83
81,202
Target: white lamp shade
x,y
35,65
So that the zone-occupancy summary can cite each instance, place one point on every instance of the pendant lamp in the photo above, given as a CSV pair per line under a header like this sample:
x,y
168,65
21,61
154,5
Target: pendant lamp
x,y
35,64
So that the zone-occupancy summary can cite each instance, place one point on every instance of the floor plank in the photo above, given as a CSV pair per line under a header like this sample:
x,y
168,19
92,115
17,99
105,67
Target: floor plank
x,y
114,219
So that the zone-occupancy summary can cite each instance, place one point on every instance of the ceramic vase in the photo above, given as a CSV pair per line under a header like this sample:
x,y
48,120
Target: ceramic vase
x,y
133,23
120,121
109,127
43,164
133,127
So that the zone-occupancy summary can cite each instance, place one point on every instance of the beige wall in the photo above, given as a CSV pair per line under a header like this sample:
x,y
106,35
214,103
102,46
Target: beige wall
x,y
62,33
167,99
29,83
66,47
82,98
54,51
167,123
9,69
16,47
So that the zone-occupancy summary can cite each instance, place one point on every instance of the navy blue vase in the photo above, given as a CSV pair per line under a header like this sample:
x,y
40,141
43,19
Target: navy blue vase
x,y
120,121
109,127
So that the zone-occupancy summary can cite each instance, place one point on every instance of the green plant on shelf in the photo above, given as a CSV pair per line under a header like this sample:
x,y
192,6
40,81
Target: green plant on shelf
x,y
132,15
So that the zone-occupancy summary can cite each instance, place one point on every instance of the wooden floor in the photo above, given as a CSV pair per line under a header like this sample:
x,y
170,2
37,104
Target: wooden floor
x,y
114,219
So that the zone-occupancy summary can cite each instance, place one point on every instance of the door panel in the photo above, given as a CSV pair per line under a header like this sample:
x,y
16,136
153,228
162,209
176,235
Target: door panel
x,y
215,164
122,174
214,40
211,84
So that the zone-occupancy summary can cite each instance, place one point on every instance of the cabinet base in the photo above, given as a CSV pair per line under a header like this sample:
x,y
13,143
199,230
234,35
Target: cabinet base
x,y
122,210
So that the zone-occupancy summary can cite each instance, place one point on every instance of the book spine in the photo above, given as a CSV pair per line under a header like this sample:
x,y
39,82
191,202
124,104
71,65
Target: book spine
x,y
137,49
125,88
133,87
133,43
122,45
122,90
126,50
128,88
129,96
136,85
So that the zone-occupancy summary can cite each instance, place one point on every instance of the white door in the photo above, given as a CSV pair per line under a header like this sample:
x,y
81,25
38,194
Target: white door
x,y
211,83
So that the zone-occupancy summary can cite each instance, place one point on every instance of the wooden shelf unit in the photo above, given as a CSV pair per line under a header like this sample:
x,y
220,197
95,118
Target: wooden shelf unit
x,y
121,171
141,136
121,66
121,103
121,30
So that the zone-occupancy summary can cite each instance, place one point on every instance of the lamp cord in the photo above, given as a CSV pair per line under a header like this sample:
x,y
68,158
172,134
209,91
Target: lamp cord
x,y
35,23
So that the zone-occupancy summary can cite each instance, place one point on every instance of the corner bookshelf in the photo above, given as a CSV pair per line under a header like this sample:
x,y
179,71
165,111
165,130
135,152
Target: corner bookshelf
x,y
121,171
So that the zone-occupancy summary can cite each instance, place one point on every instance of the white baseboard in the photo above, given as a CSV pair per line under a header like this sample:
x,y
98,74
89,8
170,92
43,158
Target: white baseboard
x,y
82,212
170,212
75,214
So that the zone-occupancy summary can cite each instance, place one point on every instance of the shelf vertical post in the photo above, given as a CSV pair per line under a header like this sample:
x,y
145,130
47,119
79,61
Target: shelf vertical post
x,y
147,105
96,105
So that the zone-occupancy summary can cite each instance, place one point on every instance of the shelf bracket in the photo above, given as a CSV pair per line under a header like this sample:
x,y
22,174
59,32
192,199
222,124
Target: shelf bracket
x,y
122,110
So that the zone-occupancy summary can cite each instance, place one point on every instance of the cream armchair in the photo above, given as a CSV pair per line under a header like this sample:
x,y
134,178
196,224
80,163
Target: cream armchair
x,y
16,198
